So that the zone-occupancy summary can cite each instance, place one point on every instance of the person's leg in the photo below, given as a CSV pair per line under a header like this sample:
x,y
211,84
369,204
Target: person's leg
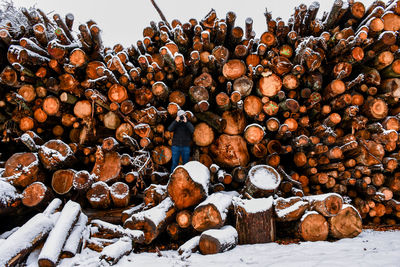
x,y
185,154
175,157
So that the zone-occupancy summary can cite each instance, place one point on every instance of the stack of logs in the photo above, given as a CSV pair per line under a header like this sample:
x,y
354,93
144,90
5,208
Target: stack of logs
x,y
315,98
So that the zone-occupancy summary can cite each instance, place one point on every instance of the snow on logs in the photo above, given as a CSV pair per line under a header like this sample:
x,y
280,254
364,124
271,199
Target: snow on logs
x,y
188,184
262,181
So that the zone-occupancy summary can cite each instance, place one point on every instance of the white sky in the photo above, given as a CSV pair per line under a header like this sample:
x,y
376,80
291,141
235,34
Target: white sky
x,y
123,21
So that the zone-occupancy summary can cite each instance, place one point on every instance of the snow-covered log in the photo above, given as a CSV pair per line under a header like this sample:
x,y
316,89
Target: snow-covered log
x,y
154,194
213,212
114,252
313,227
74,241
58,236
98,244
262,181
189,247
218,240
327,204
36,195
152,221
18,245
22,169
99,195
119,193
255,222
8,195
346,224
126,214
290,209
117,231
188,184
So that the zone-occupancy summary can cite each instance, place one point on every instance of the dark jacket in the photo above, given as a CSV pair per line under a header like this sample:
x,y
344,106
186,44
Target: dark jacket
x,y
182,133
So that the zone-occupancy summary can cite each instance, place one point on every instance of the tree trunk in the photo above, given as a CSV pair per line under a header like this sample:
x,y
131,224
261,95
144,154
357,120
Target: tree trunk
x,y
346,224
218,240
313,227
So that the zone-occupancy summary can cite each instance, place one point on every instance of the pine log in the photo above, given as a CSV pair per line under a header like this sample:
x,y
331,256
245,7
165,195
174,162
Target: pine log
x,y
255,221
73,244
230,151
107,167
313,227
99,195
188,184
218,240
119,193
62,181
109,230
346,224
22,169
290,209
213,212
262,181
154,194
152,221
36,195
189,247
55,153
203,134
114,252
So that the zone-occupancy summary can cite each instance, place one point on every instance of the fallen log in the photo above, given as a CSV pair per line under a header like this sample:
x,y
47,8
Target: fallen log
x,y
218,240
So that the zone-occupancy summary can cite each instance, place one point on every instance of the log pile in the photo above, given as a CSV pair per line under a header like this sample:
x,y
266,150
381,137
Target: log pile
x,y
311,103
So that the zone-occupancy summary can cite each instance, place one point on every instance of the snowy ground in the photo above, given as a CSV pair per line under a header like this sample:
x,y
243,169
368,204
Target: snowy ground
x,y
370,248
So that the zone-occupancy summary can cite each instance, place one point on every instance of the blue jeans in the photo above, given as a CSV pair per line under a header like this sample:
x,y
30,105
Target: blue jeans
x,y
177,151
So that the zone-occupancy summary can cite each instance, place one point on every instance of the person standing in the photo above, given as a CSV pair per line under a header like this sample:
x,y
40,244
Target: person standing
x,y
183,131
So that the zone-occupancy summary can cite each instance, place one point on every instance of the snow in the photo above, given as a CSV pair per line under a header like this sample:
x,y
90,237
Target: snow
x,y
55,156
34,229
133,234
320,197
156,214
263,177
116,194
6,234
98,198
53,206
199,173
158,188
225,235
72,243
307,213
370,248
58,235
282,213
221,200
254,205
254,125
8,193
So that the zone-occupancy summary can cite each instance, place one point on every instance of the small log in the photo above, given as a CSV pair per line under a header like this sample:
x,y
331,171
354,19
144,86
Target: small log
x,y
213,212
184,219
254,220
230,151
234,69
107,167
189,247
290,209
346,224
203,134
326,204
114,252
62,181
119,193
110,231
313,227
74,241
18,245
152,221
99,195
54,154
161,155
127,213
154,194
82,180
218,240
262,181
188,184
36,195
58,236
22,169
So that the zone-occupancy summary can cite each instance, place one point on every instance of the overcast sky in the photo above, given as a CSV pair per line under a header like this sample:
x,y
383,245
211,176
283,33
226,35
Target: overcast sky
x,y
122,21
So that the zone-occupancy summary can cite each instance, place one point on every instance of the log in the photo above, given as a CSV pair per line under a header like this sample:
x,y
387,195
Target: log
x,y
107,167
119,193
154,194
254,220
22,169
17,246
262,181
326,204
99,195
189,247
36,195
114,252
290,209
184,218
203,134
188,184
62,181
110,230
74,241
218,240
213,212
58,235
152,221
313,227
230,151
54,154
346,224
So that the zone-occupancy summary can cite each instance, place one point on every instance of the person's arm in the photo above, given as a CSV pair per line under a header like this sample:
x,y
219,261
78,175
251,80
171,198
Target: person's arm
x,y
190,126
172,126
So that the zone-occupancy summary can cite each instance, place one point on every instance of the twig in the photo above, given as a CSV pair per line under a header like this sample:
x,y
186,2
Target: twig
x,y
160,13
